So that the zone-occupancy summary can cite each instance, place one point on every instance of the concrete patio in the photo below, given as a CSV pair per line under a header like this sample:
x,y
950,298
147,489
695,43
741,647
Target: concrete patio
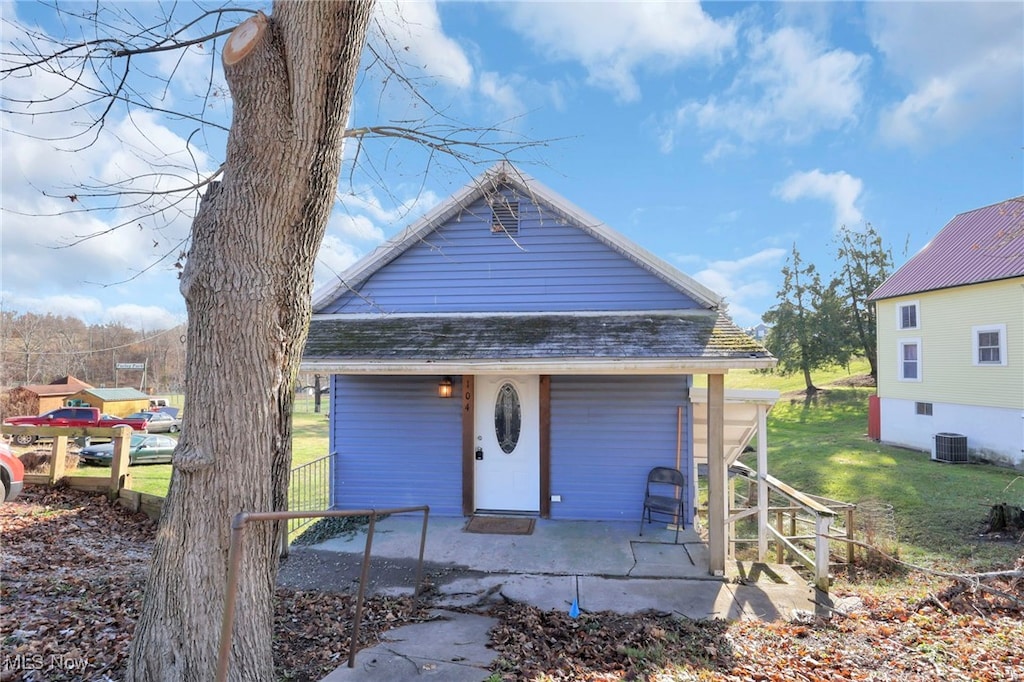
x,y
608,564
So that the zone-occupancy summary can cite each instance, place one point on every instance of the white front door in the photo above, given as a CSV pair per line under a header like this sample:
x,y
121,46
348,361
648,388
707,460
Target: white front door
x,y
507,443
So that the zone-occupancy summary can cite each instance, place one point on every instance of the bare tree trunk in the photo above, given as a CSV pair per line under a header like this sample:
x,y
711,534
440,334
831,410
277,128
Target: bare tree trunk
x,y
811,388
247,285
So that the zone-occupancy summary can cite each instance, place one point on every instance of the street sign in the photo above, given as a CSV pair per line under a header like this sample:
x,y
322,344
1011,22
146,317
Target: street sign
x,y
130,365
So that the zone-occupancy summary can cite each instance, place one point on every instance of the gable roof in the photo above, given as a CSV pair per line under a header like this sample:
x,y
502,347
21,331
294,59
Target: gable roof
x,y
109,395
505,174
983,245
58,387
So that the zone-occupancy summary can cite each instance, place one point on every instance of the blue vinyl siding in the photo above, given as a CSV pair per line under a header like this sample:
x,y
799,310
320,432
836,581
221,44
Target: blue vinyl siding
x,y
398,444
606,434
549,266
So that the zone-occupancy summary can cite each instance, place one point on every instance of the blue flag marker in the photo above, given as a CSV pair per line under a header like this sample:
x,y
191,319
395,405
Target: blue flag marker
x,y
574,610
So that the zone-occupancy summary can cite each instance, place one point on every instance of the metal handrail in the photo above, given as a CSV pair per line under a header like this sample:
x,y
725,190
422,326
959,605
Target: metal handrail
x,y
238,525
309,489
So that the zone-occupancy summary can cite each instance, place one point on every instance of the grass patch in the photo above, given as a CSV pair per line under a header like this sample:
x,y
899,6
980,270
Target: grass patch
x,y
820,446
756,379
309,442
309,431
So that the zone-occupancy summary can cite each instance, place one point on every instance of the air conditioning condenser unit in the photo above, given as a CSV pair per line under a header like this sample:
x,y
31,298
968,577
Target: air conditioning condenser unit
x,y
950,448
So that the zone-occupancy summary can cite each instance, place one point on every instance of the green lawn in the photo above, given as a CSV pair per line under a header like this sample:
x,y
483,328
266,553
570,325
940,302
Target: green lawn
x,y
793,382
820,446
309,442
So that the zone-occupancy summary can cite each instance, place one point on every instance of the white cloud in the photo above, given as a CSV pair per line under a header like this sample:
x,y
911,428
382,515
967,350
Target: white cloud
x,y
413,31
506,92
965,68
360,222
746,283
335,256
45,250
194,81
140,317
791,88
841,189
357,227
612,40
93,311
363,200
85,308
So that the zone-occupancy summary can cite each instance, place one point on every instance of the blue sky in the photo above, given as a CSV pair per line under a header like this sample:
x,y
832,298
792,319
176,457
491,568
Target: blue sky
x,y
716,136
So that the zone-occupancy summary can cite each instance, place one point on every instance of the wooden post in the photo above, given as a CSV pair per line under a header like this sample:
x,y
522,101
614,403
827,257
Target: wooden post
x,y
779,547
730,528
851,554
822,525
468,445
762,482
120,460
282,537
58,455
717,476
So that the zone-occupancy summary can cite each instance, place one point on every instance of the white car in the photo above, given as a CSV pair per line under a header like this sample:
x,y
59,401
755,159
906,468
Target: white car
x,y
158,422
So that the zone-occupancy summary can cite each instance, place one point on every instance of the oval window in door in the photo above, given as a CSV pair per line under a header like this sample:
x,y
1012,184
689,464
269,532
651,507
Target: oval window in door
x,y
507,417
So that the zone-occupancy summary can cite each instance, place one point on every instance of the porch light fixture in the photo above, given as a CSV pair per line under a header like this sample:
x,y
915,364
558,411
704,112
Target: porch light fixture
x,y
444,389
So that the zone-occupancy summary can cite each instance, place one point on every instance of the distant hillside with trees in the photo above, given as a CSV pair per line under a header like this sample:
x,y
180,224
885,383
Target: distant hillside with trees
x,y
36,349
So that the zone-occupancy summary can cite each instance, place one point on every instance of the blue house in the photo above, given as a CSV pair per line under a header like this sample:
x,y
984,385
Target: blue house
x,y
510,353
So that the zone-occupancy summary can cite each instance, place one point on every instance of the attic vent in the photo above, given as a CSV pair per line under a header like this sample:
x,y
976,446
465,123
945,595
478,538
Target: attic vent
x,y
504,215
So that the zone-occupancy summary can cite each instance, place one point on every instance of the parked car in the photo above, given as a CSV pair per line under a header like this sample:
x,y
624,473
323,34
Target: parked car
x,y
158,422
73,417
12,474
144,449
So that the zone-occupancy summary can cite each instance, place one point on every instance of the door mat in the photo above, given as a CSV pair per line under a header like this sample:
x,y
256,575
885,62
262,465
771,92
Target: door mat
x,y
500,525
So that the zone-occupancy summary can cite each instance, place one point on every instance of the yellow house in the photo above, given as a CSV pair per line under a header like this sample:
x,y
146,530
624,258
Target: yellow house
x,y
119,402
951,341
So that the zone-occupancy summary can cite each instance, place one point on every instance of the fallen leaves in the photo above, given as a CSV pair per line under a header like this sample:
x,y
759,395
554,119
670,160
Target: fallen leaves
x,y
74,568
73,574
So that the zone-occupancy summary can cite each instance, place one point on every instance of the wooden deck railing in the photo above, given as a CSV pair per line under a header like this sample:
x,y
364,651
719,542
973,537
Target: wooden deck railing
x,y
309,485
803,510
117,485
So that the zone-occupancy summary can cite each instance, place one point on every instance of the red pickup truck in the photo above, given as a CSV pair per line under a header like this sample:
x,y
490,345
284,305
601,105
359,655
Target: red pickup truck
x,y
73,417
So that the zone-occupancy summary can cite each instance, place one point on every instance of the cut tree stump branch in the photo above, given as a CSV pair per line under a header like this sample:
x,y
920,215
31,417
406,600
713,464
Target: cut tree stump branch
x,y
244,38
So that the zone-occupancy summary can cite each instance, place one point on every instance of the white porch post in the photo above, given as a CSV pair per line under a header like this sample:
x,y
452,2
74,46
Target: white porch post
x,y
822,529
762,483
717,475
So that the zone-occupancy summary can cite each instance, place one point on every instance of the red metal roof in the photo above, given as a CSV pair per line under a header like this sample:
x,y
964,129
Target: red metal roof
x,y
982,245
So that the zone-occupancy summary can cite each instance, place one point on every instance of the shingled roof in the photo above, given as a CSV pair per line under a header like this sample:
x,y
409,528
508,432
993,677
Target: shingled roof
x,y
983,245
452,344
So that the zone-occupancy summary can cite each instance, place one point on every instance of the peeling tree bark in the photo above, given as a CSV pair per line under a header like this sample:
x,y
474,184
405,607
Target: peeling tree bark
x,y
247,285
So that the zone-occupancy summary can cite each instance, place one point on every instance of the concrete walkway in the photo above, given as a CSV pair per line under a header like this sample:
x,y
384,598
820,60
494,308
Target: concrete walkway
x,y
609,565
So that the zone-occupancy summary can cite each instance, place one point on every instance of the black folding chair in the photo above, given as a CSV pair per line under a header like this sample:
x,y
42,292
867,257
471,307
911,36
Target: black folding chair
x,y
664,496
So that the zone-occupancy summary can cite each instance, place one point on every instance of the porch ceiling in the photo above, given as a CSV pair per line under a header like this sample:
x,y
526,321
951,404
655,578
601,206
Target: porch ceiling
x,y
684,342
741,407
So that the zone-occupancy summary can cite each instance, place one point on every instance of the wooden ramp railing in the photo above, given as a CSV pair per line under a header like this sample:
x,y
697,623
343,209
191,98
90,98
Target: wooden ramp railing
x,y
803,510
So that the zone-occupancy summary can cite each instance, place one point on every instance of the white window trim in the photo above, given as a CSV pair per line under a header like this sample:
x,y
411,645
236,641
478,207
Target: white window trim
x,y
899,314
980,329
899,360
